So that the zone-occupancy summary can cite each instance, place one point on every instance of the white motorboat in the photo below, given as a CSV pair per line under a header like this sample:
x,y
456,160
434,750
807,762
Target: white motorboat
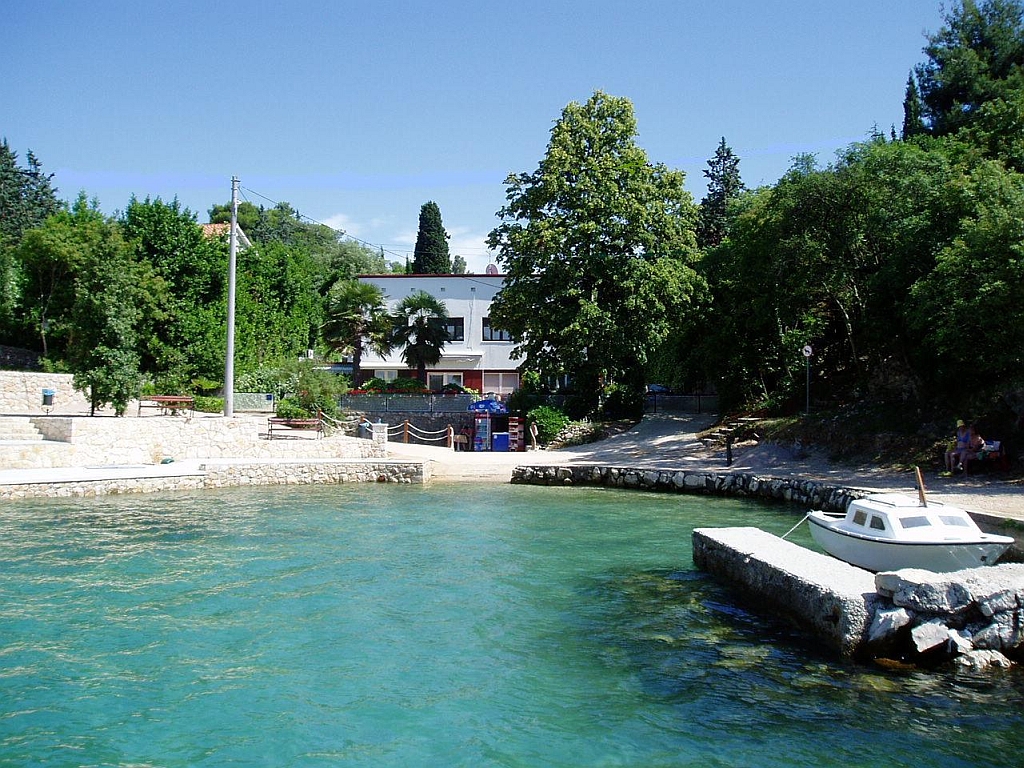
x,y
889,531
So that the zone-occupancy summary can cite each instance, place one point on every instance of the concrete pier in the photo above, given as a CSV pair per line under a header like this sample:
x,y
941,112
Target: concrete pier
x,y
832,599
972,618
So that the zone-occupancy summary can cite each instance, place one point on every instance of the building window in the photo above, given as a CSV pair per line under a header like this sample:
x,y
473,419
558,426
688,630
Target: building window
x,y
386,374
495,334
454,325
501,383
436,381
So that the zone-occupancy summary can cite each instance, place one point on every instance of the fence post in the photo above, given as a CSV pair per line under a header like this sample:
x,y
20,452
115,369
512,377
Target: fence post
x,y
449,440
405,436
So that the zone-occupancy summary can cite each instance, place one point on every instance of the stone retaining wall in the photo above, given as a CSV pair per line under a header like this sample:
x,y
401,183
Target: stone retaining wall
x,y
151,439
227,474
21,393
808,493
313,473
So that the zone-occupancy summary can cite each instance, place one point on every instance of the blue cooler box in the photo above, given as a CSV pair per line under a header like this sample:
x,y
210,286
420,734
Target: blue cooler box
x,y
500,441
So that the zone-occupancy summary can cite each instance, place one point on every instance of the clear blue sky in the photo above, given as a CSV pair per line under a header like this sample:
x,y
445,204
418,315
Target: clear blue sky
x,y
359,112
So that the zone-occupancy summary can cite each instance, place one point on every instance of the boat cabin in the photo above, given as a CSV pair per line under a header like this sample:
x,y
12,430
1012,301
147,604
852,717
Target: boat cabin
x,y
895,516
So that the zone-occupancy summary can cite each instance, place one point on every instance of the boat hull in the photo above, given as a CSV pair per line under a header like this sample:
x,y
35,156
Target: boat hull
x,y
876,554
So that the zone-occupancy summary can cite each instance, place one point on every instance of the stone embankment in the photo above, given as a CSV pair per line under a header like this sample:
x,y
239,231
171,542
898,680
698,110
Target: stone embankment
x,y
809,493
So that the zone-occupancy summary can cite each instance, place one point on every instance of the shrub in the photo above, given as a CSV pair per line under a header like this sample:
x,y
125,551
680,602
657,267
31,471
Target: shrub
x,y
550,421
622,402
290,408
209,404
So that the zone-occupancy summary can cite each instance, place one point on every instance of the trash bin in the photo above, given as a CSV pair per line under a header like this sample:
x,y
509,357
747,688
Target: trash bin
x,y
500,441
48,398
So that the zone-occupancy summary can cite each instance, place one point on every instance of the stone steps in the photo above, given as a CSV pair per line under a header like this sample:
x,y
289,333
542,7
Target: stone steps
x,y
34,454
18,429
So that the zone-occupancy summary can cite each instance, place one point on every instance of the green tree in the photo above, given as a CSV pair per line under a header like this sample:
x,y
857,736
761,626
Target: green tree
x,y
357,314
724,184
597,246
967,310
418,330
458,265
977,57
184,328
103,350
430,257
913,122
26,201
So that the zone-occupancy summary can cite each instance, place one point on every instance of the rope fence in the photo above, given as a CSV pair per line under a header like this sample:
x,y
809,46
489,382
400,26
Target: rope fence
x,y
405,430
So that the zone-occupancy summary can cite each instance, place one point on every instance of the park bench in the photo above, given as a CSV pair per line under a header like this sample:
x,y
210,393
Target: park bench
x,y
992,456
282,427
168,404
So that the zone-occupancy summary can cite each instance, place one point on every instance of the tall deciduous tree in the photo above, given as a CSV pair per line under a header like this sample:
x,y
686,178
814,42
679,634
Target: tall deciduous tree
x,y
418,330
430,256
724,184
977,57
597,246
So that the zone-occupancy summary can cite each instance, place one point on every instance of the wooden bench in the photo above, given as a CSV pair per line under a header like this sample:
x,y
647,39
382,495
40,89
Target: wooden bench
x,y
992,456
169,404
282,427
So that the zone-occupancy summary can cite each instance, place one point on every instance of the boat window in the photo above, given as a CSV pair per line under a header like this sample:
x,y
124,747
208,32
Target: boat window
x,y
877,523
954,520
860,517
917,521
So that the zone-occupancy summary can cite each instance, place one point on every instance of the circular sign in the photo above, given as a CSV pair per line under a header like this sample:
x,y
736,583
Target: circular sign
x,y
808,351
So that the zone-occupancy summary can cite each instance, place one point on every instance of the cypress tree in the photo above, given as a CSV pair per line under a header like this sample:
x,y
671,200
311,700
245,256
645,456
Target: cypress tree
x,y
431,254
724,183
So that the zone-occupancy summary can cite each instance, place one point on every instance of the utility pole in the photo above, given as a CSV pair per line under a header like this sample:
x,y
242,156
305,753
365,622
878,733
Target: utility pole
x,y
229,358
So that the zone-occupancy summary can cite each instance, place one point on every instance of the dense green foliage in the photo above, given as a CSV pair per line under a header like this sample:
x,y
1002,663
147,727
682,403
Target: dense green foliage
x,y
598,246
900,262
430,257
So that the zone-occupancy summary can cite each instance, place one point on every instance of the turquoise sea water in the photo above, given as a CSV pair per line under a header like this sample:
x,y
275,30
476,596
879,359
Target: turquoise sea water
x,y
441,626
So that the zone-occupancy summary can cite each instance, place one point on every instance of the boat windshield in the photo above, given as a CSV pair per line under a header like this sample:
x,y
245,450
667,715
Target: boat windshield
x,y
860,517
954,520
917,521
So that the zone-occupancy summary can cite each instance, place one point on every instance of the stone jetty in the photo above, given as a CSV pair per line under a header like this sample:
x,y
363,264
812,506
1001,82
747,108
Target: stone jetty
x,y
970,617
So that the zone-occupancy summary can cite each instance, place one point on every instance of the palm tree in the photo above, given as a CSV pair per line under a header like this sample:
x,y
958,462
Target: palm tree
x,y
357,314
418,329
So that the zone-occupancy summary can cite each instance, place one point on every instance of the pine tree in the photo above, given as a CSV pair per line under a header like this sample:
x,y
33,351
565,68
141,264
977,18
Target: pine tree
x,y
431,254
724,183
913,122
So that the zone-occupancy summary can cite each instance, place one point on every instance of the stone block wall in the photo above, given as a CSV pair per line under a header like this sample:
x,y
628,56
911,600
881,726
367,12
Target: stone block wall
x,y
82,441
811,494
21,393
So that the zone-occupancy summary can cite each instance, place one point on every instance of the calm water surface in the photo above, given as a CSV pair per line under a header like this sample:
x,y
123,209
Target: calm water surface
x,y
447,626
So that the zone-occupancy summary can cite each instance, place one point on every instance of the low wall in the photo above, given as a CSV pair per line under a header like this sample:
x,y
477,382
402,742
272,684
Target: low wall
x,y
220,474
808,493
21,393
151,439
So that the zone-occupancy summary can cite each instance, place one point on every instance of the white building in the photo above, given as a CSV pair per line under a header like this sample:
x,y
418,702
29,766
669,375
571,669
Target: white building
x,y
478,355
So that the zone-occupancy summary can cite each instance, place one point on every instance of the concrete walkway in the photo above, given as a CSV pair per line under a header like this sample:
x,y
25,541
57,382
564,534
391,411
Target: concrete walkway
x,y
662,441
667,441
